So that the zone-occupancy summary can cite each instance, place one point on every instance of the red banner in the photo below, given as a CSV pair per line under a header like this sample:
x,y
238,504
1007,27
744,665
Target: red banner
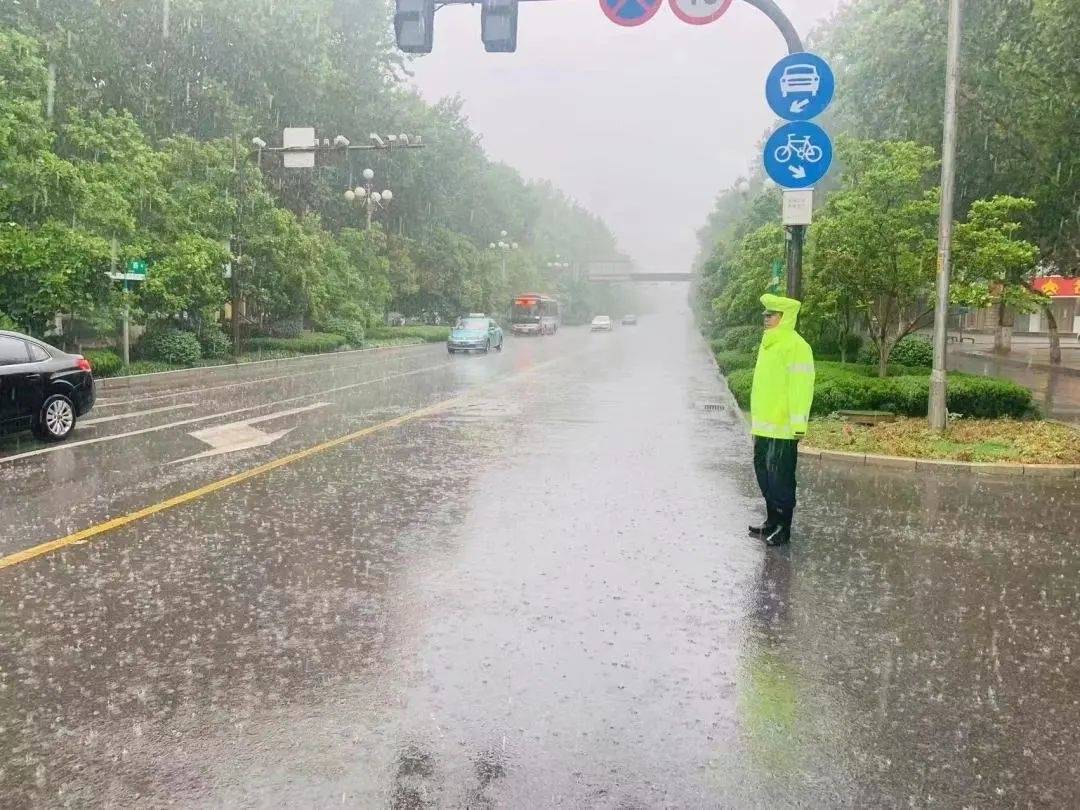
x,y
1058,286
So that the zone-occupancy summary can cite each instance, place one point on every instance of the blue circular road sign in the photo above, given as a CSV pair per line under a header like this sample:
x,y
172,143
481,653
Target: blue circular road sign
x,y
800,87
798,155
630,13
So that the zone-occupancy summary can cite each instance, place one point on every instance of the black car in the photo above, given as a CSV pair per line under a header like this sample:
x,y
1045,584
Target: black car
x,y
41,387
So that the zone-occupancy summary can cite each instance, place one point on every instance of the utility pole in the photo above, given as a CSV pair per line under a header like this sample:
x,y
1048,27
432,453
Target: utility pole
x,y
938,410
235,274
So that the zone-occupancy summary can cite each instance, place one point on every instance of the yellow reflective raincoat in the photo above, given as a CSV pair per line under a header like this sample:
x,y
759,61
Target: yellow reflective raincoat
x,y
784,376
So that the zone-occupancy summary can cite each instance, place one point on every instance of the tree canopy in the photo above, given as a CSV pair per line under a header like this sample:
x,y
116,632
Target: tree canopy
x,y
125,134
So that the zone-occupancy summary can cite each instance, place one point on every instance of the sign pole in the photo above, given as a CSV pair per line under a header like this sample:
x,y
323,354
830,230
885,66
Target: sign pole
x,y
127,324
796,236
938,409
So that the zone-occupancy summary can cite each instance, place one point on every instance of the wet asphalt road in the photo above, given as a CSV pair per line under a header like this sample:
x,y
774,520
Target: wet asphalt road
x,y
540,595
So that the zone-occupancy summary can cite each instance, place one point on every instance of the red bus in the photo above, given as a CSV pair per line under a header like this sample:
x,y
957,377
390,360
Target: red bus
x,y
534,314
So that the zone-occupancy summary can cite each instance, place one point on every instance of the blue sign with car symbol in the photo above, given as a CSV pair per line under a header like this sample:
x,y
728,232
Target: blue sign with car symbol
x,y
800,87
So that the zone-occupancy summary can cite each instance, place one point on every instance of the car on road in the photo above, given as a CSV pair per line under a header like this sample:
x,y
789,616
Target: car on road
x,y
629,320
42,388
800,79
476,333
601,323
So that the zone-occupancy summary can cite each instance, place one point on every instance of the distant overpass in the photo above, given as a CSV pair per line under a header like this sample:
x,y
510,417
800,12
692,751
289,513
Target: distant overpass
x,y
623,272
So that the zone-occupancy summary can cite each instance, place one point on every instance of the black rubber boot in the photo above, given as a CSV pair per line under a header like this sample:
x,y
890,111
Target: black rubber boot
x,y
770,523
779,535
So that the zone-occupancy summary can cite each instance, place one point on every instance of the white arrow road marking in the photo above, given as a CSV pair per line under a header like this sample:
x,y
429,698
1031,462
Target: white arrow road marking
x,y
799,106
99,419
237,436
798,172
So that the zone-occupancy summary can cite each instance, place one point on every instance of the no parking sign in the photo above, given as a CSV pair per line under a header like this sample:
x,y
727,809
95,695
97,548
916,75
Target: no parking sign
x,y
630,12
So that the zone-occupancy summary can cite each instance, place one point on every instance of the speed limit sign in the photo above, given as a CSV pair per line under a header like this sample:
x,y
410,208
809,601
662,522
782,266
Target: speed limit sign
x,y
699,12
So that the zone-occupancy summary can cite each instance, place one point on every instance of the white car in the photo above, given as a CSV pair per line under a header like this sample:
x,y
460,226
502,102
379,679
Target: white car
x,y
800,79
601,323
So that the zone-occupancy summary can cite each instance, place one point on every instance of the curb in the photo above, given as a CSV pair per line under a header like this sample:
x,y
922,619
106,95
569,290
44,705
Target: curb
x,y
1061,471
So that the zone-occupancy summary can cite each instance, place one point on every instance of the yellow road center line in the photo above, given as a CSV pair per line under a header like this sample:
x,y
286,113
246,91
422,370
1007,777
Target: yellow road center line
x,y
217,486
126,520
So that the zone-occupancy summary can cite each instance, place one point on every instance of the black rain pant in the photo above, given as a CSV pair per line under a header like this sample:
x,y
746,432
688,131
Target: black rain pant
x,y
774,463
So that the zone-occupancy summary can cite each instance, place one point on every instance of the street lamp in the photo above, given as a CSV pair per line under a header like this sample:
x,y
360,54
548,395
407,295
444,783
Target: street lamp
x,y
503,247
368,196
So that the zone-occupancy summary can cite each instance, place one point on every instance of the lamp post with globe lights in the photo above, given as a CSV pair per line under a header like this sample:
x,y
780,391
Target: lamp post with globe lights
x,y
503,247
371,199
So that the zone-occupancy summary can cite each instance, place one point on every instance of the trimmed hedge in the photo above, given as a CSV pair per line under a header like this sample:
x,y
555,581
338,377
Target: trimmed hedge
x,y
733,361
104,362
307,343
849,387
428,334
170,346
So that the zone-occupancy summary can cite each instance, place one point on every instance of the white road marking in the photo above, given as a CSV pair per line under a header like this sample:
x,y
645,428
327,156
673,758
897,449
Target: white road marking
x,y
105,402
292,411
237,436
99,419
97,440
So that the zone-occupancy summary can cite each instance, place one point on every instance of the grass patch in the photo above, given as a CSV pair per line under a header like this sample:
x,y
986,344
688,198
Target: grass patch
x,y
986,440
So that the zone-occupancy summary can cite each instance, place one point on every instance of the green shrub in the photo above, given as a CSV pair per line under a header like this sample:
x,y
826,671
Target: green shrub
x,y
988,397
912,351
740,382
733,361
215,343
745,338
284,329
428,334
8,324
829,344
167,345
104,362
307,343
352,331
147,367
857,388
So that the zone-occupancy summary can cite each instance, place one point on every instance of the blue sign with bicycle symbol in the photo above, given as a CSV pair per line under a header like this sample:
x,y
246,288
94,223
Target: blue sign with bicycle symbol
x,y
798,155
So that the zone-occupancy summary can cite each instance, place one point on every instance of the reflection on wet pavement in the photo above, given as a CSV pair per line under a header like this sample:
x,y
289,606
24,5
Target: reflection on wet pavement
x,y
545,598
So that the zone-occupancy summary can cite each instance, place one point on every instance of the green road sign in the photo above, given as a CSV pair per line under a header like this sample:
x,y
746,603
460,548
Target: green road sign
x,y
137,267
777,274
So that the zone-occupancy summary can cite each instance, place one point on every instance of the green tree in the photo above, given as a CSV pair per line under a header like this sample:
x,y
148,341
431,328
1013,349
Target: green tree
x,y
48,270
1018,121
995,266
875,240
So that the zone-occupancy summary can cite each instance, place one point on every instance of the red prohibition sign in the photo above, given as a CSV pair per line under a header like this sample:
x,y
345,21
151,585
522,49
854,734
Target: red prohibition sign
x,y
699,16
629,13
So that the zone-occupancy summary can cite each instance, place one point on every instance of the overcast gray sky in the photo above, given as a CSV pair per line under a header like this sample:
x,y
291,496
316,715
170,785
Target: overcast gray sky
x,y
642,125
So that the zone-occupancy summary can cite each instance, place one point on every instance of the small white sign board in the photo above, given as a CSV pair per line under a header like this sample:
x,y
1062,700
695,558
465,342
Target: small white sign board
x,y
296,138
798,206
128,276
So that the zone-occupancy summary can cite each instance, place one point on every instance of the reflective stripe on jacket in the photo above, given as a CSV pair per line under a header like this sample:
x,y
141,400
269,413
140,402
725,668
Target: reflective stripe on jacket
x,y
783,377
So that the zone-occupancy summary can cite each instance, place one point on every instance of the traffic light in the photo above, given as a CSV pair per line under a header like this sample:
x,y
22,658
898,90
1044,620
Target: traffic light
x,y
498,25
414,25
